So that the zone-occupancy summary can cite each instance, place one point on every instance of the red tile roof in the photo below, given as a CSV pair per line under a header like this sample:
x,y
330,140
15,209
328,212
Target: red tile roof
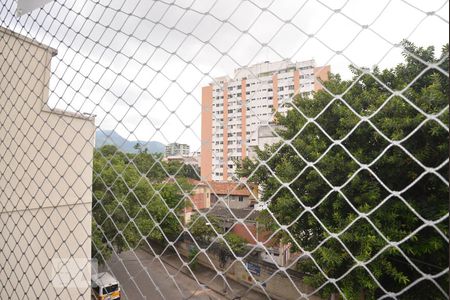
x,y
195,182
229,188
199,200
248,233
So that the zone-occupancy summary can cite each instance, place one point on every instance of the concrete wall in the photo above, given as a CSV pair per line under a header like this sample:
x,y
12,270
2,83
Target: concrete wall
x,y
201,197
238,272
45,180
232,201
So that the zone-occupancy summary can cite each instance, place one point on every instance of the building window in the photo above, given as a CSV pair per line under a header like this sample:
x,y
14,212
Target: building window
x,y
241,198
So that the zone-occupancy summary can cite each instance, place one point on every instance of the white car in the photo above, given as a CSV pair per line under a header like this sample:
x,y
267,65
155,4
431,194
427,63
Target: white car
x,y
105,287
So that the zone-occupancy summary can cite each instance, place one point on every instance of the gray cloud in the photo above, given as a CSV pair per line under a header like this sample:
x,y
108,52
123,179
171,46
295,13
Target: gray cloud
x,y
150,58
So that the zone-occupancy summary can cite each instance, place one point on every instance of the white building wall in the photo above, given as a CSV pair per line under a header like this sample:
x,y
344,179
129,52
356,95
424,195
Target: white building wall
x,y
176,149
45,180
259,103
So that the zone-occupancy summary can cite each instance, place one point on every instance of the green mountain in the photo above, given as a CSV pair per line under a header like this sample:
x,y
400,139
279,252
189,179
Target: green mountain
x,y
110,137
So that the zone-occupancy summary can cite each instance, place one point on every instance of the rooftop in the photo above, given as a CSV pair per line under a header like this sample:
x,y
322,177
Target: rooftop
x,y
266,68
229,188
18,36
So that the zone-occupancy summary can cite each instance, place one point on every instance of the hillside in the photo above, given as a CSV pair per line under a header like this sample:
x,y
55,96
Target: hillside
x,y
110,137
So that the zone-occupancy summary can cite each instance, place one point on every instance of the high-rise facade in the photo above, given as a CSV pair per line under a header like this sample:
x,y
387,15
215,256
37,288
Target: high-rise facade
x,y
233,108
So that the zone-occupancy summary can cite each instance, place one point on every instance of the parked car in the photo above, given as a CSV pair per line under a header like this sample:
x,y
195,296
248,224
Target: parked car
x,y
105,287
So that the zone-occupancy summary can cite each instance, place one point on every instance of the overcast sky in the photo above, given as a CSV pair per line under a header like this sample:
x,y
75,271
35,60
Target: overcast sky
x,y
139,65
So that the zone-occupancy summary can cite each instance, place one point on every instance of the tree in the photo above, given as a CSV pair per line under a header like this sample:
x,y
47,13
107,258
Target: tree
x,y
100,249
236,243
149,165
182,170
234,246
395,180
156,169
202,230
128,206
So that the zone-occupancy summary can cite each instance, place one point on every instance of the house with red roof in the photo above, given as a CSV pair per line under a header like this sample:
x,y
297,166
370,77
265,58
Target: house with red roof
x,y
233,194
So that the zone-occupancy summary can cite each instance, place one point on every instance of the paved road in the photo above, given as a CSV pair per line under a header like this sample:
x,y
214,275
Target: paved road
x,y
143,277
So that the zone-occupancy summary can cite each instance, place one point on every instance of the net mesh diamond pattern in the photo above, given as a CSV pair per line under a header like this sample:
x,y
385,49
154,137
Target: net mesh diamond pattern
x,y
128,148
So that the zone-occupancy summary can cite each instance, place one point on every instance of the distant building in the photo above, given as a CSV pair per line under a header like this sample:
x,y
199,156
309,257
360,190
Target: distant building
x,y
45,180
229,202
192,159
233,194
227,194
234,108
199,198
176,149
178,158
252,232
266,136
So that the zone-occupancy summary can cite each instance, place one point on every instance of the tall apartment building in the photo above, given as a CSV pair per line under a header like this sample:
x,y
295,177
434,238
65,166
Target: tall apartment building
x,y
175,149
233,108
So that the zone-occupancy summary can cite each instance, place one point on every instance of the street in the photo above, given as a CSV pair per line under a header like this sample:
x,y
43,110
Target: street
x,y
141,276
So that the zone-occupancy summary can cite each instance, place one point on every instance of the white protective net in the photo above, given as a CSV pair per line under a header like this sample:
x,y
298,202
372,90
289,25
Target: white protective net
x,y
224,150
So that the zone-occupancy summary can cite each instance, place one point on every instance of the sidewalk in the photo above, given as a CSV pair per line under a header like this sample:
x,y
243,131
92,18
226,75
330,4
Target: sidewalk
x,y
205,276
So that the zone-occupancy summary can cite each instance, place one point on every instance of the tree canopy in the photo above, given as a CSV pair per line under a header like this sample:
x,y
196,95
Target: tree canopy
x,y
231,245
135,198
362,166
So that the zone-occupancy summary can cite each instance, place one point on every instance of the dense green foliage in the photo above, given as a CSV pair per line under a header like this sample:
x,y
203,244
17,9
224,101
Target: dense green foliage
x,y
132,194
203,232
308,202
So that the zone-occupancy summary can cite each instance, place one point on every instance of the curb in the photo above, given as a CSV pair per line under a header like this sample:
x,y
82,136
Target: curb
x,y
218,291
187,274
